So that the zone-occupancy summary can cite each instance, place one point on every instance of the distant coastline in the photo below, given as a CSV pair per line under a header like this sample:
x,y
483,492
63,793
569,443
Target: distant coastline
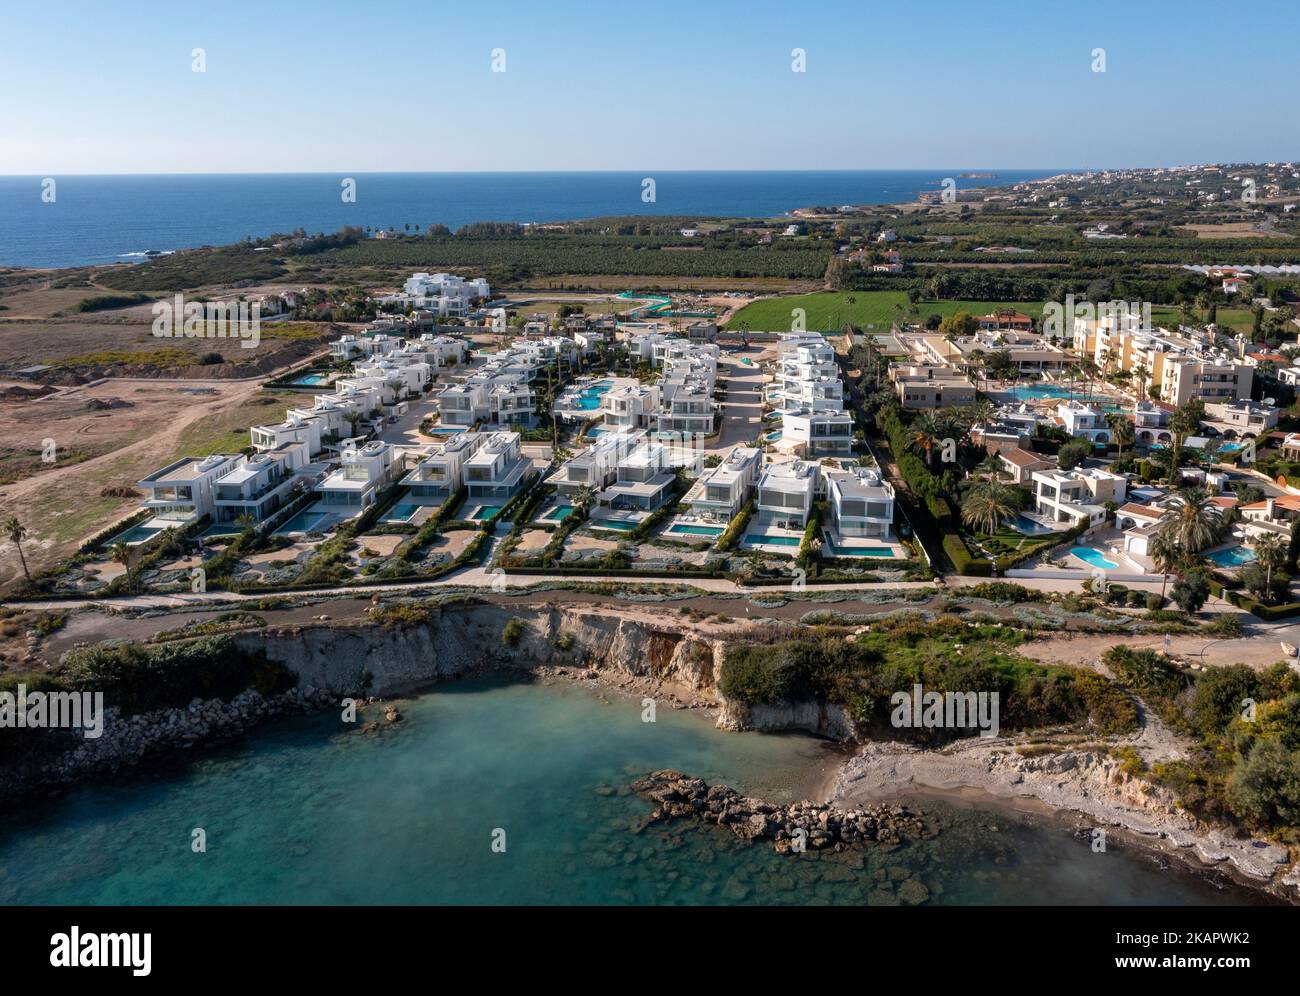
x,y
115,218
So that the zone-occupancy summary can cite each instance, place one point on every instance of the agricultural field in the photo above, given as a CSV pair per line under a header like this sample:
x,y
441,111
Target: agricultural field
x,y
831,310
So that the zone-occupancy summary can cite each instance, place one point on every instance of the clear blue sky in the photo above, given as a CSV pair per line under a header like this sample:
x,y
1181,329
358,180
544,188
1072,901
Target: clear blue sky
x,y
706,84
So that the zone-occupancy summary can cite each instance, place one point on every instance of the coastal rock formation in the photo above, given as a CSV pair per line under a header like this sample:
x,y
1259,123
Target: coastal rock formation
x,y
798,827
822,718
128,740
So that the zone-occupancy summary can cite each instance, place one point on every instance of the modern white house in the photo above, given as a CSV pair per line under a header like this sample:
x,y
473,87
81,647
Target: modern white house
x,y
1077,496
634,406
442,293
185,490
861,503
644,479
261,485
596,466
720,491
688,404
497,469
440,473
363,473
294,429
786,492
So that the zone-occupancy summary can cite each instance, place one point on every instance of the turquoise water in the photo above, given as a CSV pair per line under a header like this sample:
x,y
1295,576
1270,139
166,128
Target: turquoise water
x,y
772,437
1093,558
311,811
303,522
773,540
401,513
620,525
1232,556
485,512
697,530
560,512
595,431
441,429
309,380
136,534
847,551
1026,525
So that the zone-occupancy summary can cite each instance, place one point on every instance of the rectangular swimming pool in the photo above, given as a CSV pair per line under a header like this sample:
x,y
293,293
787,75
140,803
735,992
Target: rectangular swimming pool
x,y
773,540
1024,524
697,530
485,512
560,512
619,525
847,551
401,513
303,522
136,534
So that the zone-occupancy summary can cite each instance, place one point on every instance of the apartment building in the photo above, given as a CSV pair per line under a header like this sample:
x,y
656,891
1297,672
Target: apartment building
x,y
817,432
720,491
931,387
444,294
786,492
1077,496
861,502
497,469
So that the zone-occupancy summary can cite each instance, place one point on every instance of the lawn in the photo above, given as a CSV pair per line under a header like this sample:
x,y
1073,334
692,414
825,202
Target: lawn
x,y
829,311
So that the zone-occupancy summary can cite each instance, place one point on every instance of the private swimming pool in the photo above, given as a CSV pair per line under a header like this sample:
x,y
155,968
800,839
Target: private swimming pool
x,y
883,553
400,513
560,512
134,535
1024,524
759,538
618,525
304,522
485,512
1093,558
1232,556
689,530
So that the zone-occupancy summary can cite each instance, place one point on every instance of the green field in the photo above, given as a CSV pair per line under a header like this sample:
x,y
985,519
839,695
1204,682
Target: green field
x,y
828,312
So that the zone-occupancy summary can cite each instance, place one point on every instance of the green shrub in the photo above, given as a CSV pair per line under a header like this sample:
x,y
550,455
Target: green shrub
x,y
513,631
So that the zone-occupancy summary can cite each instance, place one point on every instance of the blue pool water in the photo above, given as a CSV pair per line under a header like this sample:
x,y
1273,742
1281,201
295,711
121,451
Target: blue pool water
x,y
1233,556
587,404
1093,558
303,522
697,530
439,429
309,380
773,540
401,513
772,437
1026,525
595,431
620,525
560,512
136,534
848,551
485,512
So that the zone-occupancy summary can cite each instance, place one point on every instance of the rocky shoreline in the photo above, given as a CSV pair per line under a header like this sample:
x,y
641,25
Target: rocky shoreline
x,y
792,829
130,741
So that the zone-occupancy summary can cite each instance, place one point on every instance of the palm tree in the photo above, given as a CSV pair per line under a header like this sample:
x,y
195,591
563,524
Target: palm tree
x,y
1121,431
583,499
1192,520
1166,554
986,505
1182,423
1271,552
17,532
927,432
122,555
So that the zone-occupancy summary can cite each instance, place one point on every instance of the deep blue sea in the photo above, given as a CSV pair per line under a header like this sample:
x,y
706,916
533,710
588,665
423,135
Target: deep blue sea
x,y
112,219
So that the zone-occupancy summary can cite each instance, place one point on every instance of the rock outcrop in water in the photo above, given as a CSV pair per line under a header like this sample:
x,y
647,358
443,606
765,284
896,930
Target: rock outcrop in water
x,y
792,828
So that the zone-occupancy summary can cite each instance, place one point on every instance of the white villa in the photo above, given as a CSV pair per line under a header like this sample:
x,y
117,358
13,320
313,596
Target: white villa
x,y
597,465
785,494
1083,421
817,432
185,490
497,469
631,407
1077,496
440,473
720,491
442,293
363,473
644,479
261,485
861,503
